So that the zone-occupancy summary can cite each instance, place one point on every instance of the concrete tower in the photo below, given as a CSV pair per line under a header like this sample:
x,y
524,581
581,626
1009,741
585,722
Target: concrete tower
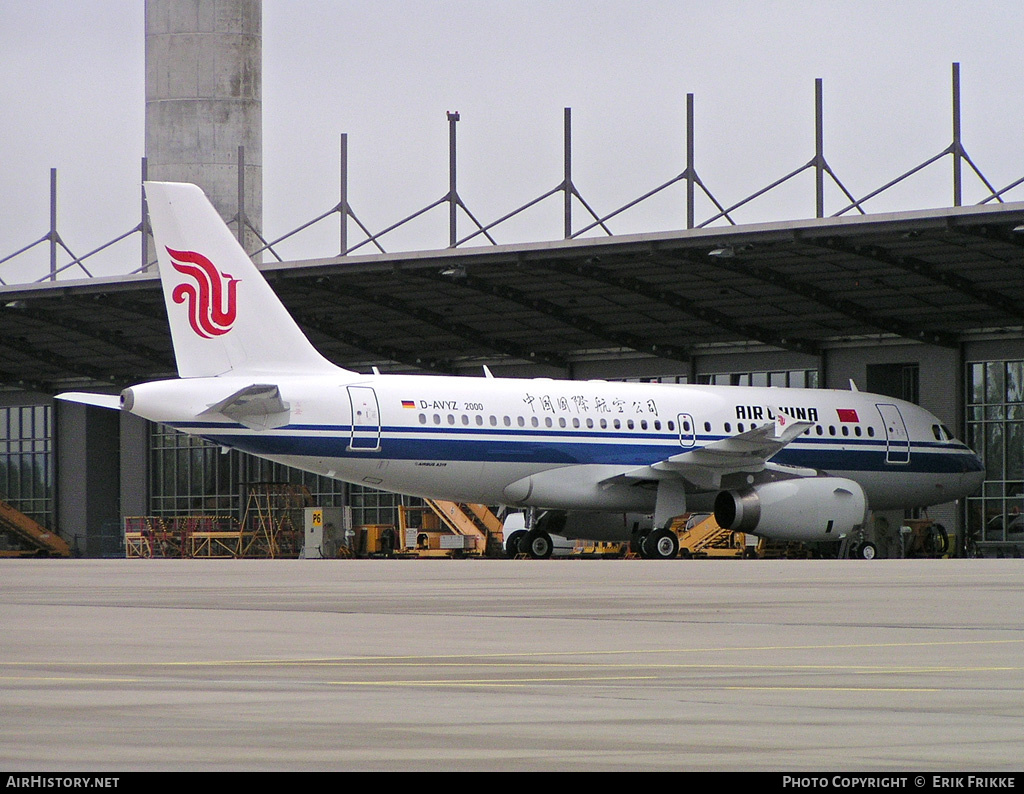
x,y
204,100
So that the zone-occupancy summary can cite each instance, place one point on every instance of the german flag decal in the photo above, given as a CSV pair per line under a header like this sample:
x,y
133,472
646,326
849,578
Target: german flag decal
x,y
408,403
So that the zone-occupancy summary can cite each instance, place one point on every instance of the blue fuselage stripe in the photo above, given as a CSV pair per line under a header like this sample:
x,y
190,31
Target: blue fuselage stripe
x,y
561,447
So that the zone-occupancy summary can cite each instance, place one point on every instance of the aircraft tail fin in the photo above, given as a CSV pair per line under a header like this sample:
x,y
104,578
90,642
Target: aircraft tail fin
x,y
224,317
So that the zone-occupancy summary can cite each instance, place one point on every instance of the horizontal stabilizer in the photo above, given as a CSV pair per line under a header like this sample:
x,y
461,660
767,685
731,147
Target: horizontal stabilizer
x,y
98,400
258,407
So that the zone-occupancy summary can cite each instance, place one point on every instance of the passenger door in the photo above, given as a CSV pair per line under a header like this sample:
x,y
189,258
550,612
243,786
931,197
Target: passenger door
x,y
897,440
365,419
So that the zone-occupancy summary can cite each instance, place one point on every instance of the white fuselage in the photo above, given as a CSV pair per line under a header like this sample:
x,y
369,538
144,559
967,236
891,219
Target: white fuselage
x,y
555,444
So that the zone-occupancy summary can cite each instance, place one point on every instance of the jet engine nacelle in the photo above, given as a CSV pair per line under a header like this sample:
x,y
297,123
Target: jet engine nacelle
x,y
804,509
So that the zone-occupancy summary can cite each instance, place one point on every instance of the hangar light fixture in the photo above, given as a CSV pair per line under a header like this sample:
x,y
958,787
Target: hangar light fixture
x,y
723,253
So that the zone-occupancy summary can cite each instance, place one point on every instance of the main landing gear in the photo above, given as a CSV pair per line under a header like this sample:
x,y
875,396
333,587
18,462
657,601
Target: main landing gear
x,y
660,544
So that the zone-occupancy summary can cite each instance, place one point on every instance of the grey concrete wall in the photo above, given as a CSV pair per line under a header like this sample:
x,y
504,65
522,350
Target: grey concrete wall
x,y
134,452
204,99
88,474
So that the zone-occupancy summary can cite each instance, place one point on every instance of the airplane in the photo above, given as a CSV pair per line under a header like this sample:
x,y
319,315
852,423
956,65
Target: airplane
x,y
589,459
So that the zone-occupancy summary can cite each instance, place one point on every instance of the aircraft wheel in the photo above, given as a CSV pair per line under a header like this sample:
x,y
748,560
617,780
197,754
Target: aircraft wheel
x,y
661,544
537,544
936,542
866,551
512,543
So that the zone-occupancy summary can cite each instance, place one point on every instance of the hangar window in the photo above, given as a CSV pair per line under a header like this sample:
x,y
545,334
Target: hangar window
x,y
189,475
793,378
26,460
995,430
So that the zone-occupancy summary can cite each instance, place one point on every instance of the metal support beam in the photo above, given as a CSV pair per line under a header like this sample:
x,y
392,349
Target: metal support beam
x,y
144,222
957,145
685,305
691,174
564,316
819,152
947,278
343,203
827,298
443,322
53,224
567,183
453,194
343,333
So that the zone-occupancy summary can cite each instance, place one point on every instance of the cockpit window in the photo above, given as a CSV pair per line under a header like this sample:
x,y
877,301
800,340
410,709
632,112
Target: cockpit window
x,y
942,433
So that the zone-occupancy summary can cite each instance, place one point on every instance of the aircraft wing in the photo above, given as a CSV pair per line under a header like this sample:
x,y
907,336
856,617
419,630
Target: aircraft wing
x,y
259,407
749,451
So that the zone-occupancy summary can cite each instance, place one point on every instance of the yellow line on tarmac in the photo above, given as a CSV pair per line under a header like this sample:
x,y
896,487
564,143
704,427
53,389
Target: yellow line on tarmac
x,y
479,682
533,655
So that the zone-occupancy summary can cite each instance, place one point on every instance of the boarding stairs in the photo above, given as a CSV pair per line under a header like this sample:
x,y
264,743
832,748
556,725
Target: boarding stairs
x,y
32,536
471,520
706,539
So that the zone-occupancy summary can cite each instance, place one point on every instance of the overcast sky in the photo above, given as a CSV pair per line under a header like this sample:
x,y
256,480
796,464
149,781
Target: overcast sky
x,y
72,97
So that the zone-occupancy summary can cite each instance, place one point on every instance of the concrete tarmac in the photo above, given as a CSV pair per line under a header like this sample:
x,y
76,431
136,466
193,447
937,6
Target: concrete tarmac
x,y
789,666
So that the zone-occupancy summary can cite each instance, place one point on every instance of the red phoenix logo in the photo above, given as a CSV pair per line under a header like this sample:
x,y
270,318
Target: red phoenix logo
x,y
211,300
